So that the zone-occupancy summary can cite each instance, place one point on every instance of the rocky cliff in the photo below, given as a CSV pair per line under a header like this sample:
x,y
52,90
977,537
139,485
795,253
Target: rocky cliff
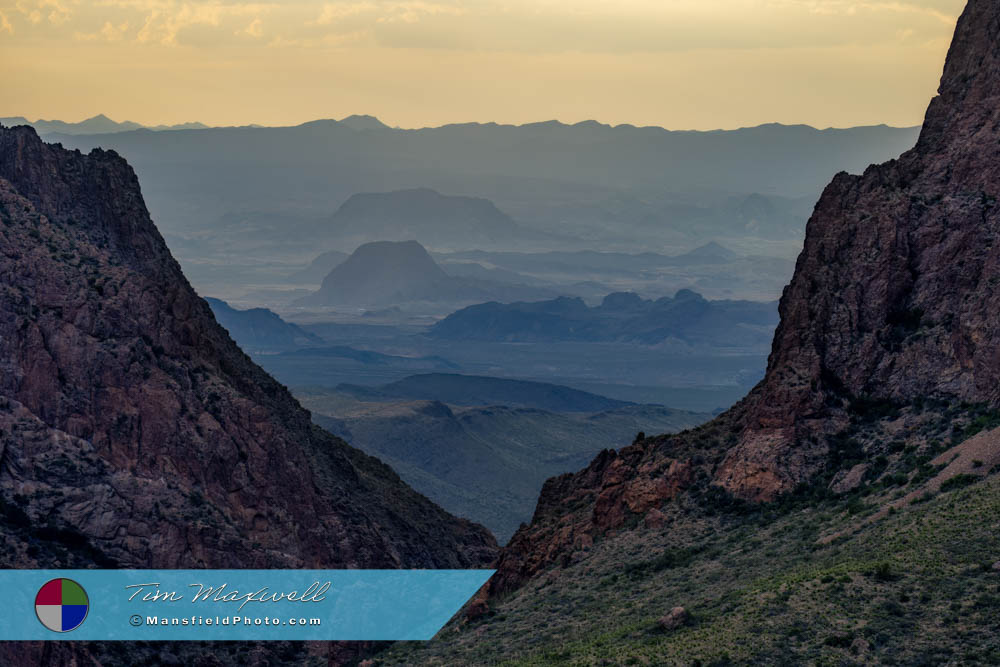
x,y
895,293
893,301
133,430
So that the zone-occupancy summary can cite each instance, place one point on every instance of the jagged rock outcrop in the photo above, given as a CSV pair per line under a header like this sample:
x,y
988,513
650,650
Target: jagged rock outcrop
x,y
896,290
134,432
894,298
576,508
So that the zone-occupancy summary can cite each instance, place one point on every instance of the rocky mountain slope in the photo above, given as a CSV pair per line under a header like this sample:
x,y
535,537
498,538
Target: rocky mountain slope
x,y
895,293
841,513
133,430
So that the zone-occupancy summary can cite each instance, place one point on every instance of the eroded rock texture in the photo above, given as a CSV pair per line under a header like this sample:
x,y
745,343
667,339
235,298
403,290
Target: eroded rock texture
x,y
896,292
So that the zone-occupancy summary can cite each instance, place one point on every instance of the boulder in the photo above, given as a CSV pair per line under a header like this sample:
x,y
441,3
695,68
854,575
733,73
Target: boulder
x,y
673,619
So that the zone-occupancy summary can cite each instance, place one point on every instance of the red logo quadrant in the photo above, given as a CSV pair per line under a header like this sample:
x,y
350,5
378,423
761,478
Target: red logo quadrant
x,y
61,605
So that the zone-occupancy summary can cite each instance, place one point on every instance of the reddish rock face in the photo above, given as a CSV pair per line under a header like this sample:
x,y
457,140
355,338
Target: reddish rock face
x,y
895,297
129,417
896,291
574,509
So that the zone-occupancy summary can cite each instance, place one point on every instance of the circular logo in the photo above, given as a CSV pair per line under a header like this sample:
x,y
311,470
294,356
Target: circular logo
x,y
61,605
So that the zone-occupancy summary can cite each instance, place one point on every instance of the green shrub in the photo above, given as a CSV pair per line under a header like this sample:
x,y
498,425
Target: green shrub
x,y
883,572
958,482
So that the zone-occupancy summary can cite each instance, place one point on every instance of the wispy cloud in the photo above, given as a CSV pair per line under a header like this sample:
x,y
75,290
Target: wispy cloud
x,y
855,7
165,20
330,13
524,26
679,62
254,29
37,11
109,32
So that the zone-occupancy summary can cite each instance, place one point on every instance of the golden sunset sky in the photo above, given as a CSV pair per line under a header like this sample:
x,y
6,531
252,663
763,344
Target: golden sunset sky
x,y
681,64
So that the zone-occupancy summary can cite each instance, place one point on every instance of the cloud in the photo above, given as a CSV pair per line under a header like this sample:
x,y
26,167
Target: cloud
x,y
513,26
254,29
943,11
394,11
413,11
108,33
165,20
330,13
5,25
53,11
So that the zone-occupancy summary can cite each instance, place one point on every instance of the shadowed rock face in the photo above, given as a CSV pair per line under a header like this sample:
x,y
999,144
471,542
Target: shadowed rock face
x,y
895,297
132,422
896,292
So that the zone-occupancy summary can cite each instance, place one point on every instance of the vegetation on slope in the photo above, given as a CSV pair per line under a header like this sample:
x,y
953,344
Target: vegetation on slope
x,y
903,569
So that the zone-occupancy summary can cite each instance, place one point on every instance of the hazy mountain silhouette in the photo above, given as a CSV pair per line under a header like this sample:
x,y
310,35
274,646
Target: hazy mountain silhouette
x,y
399,272
363,122
422,214
586,180
484,390
621,316
710,253
318,268
99,124
259,329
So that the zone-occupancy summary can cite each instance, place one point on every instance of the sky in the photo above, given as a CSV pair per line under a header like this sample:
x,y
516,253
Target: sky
x,y
680,64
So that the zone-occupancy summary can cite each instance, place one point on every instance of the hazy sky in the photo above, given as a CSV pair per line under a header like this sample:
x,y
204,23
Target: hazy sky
x,y
682,64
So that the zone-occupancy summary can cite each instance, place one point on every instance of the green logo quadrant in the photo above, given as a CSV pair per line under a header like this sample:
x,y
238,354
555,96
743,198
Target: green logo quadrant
x,y
61,605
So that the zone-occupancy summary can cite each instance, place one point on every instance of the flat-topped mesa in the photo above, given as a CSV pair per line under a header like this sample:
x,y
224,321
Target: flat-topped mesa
x,y
896,290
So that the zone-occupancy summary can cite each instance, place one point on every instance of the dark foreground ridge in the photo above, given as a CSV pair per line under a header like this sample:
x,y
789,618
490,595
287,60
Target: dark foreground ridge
x,y
133,430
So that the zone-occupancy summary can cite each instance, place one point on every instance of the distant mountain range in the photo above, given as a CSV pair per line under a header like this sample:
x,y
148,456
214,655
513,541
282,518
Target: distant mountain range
x,y
710,253
472,390
622,316
99,124
484,463
422,214
315,355
711,269
556,261
275,190
791,160
259,329
388,273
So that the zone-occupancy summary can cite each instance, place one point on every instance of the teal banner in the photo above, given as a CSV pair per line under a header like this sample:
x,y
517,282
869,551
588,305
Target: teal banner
x,y
345,605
